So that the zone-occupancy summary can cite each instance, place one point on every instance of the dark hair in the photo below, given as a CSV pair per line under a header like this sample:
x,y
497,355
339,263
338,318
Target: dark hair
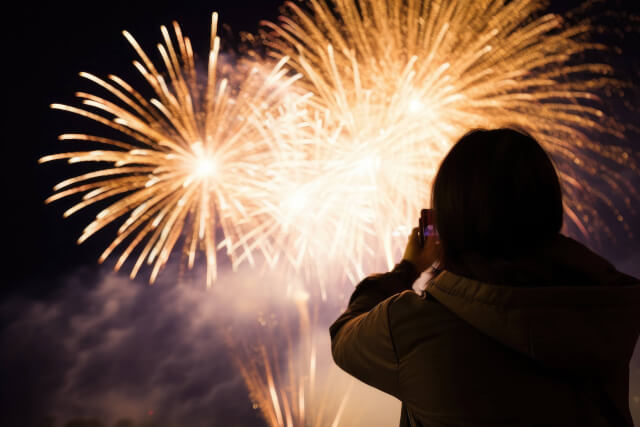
x,y
497,194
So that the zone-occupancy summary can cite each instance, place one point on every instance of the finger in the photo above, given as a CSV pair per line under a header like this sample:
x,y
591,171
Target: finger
x,y
414,233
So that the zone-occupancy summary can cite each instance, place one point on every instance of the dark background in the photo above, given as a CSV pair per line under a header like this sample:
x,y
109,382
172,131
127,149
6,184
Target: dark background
x,y
45,47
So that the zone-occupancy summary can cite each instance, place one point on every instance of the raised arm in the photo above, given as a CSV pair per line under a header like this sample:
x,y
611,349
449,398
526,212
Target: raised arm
x,y
361,341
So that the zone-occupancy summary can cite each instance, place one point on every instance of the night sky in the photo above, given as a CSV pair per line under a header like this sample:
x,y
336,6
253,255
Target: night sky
x,y
59,340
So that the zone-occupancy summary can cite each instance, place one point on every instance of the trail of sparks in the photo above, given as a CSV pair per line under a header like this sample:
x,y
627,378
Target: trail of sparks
x,y
288,379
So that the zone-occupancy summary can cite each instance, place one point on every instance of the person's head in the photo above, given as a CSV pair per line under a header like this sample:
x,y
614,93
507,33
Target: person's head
x,y
497,194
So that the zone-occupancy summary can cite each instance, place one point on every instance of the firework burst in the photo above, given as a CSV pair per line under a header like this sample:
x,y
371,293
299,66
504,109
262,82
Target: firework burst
x,y
189,157
396,83
332,177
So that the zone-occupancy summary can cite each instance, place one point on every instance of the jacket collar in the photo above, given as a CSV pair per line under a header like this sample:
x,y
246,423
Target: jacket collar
x,y
582,316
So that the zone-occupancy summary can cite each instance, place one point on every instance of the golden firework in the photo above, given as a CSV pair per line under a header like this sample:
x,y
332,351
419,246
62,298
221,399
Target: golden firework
x,y
332,181
396,82
189,158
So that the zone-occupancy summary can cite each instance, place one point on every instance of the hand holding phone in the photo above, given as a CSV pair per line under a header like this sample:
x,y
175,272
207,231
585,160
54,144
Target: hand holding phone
x,y
423,247
426,227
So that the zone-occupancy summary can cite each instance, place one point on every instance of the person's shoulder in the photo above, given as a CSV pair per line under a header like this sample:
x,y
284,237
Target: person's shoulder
x,y
412,306
420,318
415,298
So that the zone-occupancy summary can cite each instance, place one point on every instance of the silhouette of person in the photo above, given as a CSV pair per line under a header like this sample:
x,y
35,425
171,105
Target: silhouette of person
x,y
518,325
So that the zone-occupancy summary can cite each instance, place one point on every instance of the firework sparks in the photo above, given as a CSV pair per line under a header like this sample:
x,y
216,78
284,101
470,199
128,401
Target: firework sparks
x,y
189,158
286,366
393,84
396,83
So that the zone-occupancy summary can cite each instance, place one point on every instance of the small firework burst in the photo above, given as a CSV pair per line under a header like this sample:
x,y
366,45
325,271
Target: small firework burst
x,y
189,157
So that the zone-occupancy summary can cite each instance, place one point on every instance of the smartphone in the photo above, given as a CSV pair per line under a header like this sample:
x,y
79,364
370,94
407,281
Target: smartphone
x,y
426,227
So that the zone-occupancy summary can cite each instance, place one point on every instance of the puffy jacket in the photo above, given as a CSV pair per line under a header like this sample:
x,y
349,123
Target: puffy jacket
x,y
544,340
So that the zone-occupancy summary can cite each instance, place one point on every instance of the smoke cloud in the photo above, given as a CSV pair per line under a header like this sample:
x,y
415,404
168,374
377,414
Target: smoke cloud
x,y
105,347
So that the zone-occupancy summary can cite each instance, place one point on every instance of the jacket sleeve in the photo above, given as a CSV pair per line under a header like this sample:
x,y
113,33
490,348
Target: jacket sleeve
x,y
361,339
